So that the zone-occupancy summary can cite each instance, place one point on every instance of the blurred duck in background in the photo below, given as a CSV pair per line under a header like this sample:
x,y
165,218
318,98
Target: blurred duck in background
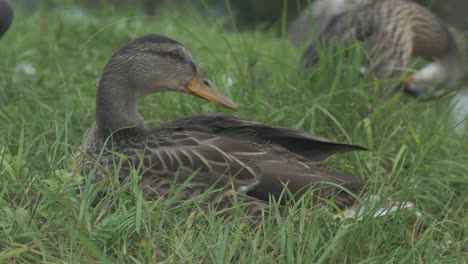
x,y
6,16
392,32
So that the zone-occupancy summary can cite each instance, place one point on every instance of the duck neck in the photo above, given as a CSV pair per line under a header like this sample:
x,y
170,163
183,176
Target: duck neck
x,y
116,108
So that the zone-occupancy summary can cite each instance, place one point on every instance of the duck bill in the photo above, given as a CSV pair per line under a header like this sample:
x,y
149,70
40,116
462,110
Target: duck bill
x,y
407,81
200,88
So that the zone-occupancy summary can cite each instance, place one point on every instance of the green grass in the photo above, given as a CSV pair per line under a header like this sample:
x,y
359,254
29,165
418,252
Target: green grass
x,y
415,154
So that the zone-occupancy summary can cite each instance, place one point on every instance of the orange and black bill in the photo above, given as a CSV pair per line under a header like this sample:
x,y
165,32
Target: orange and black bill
x,y
200,88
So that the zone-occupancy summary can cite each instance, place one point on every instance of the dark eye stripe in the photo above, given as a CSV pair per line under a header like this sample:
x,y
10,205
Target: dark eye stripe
x,y
174,55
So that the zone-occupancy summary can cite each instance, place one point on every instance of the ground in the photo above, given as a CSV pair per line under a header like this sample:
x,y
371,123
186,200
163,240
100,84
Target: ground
x,y
49,66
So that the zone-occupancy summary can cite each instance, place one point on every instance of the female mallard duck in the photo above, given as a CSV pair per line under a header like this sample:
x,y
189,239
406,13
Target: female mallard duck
x,y
392,32
240,158
6,16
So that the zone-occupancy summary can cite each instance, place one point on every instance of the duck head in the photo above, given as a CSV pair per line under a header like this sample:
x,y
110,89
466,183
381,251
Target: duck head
x,y
146,65
433,81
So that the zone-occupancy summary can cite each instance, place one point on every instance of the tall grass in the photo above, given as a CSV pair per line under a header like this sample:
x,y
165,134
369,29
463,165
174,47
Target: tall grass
x,y
45,112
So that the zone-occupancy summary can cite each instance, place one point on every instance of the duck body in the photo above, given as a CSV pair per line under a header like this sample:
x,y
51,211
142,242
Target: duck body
x,y
237,157
393,32
225,152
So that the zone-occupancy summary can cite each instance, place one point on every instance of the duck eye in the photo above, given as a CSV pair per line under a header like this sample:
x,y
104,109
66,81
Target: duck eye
x,y
175,54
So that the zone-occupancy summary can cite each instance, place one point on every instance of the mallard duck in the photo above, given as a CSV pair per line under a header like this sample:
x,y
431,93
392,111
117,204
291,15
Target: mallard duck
x,y
242,159
392,33
6,16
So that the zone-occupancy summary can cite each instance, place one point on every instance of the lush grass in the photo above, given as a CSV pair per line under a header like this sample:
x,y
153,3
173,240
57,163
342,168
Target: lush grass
x,y
43,116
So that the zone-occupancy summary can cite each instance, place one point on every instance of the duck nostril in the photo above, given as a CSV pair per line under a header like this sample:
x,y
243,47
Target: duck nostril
x,y
207,83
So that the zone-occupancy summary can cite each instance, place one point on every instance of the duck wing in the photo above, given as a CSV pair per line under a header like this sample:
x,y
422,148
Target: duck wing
x,y
258,158
313,148
207,159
